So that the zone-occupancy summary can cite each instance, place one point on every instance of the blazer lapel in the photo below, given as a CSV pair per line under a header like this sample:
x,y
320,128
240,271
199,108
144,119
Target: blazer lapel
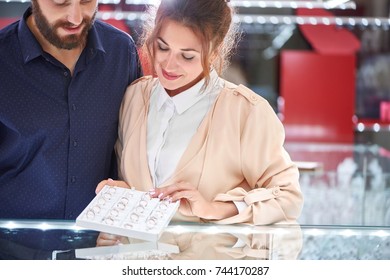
x,y
143,159
196,147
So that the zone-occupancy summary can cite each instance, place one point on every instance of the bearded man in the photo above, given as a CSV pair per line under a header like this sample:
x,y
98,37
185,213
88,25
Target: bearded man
x,y
62,78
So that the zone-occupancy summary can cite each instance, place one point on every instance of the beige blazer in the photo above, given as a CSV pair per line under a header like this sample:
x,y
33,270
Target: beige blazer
x,y
236,154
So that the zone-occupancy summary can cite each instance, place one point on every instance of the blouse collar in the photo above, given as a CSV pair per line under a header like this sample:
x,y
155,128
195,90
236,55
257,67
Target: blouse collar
x,y
191,96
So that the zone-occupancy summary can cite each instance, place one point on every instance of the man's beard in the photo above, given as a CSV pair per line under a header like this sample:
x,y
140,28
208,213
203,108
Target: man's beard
x,y
49,32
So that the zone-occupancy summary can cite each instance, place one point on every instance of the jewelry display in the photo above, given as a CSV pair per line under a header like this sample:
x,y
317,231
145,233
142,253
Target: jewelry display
x,y
127,212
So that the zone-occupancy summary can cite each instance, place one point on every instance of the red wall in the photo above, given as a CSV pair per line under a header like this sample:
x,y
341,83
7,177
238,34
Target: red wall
x,y
6,21
319,96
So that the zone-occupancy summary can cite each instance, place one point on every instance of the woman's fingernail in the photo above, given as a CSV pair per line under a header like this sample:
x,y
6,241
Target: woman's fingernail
x,y
160,195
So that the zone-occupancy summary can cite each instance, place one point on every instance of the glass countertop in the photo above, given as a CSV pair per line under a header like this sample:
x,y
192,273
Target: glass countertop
x,y
55,240
343,184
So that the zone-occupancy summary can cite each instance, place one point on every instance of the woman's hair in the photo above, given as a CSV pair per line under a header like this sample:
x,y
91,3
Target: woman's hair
x,y
210,20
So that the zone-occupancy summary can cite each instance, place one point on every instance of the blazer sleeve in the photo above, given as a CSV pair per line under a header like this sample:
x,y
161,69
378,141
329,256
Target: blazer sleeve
x,y
271,191
119,141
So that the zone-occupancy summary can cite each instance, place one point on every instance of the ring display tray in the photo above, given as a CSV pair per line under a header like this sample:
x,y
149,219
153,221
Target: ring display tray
x,y
127,212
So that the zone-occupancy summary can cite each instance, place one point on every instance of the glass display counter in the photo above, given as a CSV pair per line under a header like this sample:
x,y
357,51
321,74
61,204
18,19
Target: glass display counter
x,y
59,240
346,216
345,185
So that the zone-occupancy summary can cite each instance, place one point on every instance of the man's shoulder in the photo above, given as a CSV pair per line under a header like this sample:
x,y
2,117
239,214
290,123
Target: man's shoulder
x,y
8,31
9,41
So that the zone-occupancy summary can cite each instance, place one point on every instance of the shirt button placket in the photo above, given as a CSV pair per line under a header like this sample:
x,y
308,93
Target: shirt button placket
x,y
73,138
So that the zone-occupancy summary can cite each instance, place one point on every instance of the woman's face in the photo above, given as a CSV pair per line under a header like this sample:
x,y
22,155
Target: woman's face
x,y
177,57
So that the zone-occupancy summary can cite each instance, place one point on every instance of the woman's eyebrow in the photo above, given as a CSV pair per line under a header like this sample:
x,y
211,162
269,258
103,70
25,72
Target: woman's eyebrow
x,y
184,50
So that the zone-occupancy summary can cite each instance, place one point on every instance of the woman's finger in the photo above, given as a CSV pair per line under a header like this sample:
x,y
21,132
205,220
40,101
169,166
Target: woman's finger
x,y
106,239
169,190
100,186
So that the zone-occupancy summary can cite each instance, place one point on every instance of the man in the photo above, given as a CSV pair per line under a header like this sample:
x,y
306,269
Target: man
x,y
62,79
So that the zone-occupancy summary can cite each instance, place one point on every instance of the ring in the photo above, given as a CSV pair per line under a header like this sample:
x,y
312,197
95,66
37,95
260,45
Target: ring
x,y
109,221
96,209
101,201
107,195
163,206
90,214
158,214
134,217
128,226
121,206
114,212
143,203
151,222
111,190
140,209
124,200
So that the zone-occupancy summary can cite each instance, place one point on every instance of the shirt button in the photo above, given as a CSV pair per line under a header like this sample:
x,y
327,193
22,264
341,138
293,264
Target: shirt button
x,y
275,192
253,97
75,143
74,107
73,179
66,74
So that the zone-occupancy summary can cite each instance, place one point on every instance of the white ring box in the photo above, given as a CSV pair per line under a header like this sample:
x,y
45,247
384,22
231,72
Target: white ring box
x,y
127,212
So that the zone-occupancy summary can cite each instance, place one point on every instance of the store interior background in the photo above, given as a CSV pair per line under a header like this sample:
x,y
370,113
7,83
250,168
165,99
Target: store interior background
x,y
326,73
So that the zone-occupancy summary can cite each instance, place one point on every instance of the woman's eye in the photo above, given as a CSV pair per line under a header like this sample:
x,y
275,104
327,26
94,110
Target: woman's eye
x,y
60,2
161,48
186,57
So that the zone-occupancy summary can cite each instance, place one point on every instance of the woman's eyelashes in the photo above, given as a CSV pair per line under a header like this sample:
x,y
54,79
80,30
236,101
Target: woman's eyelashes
x,y
164,48
186,57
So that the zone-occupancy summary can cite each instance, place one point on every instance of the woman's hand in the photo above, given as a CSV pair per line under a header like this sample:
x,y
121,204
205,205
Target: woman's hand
x,y
192,202
106,239
112,183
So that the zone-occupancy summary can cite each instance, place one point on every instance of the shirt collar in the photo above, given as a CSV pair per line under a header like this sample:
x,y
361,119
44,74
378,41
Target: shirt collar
x,y
189,97
31,48
28,43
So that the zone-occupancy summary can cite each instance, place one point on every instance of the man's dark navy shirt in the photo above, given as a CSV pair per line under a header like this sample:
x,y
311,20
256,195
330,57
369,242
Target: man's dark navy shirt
x,y
57,130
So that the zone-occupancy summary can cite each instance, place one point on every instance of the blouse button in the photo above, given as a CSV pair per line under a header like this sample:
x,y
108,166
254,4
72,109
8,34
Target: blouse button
x,y
275,192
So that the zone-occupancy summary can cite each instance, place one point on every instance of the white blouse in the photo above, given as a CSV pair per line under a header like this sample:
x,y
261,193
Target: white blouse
x,y
173,121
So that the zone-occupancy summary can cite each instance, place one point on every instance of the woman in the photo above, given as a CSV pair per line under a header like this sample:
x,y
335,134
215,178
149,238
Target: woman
x,y
189,135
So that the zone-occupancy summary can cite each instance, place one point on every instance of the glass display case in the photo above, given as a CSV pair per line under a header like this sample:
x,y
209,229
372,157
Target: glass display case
x,y
346,185
346,216
63,240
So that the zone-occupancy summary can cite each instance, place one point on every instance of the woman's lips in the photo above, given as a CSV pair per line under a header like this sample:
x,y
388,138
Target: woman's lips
x,y
169,76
